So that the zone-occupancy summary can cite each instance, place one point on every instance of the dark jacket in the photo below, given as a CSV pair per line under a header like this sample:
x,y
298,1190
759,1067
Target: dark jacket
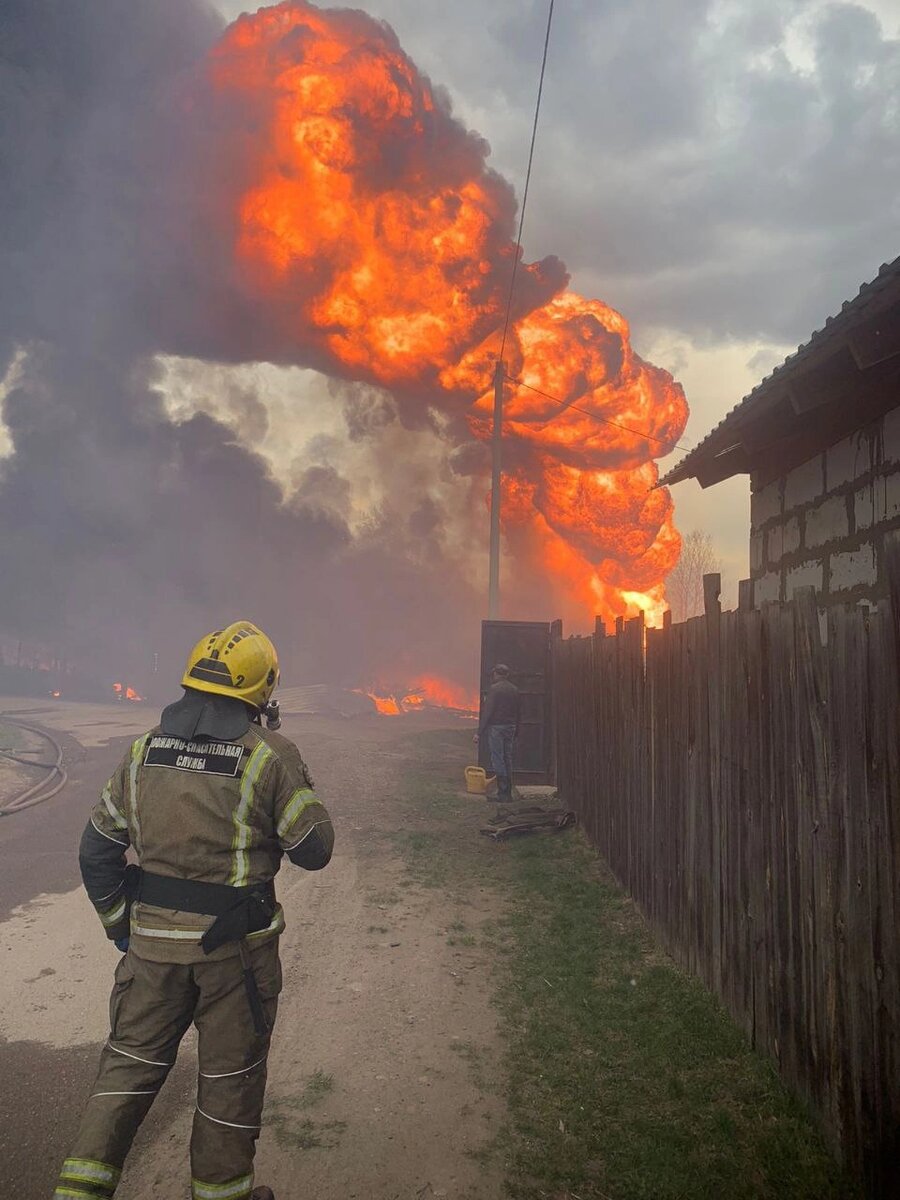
x,y
502,706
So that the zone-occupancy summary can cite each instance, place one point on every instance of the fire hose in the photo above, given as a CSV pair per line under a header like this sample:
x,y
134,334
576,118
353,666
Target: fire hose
x,y
44,789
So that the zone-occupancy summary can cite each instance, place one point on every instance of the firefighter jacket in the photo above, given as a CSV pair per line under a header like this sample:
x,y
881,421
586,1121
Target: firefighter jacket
x,y
217,812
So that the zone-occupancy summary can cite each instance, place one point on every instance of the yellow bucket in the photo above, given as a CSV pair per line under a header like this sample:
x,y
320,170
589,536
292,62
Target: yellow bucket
x,y
477,781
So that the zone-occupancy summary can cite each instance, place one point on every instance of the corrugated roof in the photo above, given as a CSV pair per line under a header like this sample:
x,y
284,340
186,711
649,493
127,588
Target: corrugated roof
x,y
718,440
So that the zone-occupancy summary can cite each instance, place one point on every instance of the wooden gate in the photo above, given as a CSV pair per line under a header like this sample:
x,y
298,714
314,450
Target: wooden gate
x,y
524,646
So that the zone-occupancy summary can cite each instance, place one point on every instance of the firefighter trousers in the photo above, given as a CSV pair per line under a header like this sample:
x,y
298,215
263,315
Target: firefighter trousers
x,y
151,1008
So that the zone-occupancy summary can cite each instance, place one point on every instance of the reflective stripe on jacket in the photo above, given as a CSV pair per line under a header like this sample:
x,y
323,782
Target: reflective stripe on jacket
x,y
217,812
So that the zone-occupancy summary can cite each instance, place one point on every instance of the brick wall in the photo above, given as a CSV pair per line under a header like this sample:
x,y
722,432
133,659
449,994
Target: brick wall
x,y
823,524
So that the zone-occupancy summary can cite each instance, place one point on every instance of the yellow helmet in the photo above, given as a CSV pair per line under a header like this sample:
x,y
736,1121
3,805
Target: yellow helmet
x,y
239,661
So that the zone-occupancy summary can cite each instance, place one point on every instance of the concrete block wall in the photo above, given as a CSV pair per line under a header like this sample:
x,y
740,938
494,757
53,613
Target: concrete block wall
x,y
823,524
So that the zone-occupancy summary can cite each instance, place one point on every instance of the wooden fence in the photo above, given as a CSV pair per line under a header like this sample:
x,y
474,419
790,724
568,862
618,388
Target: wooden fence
x,y
742,779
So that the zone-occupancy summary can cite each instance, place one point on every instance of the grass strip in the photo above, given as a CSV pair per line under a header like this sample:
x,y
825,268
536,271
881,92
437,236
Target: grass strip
x,y
625,1078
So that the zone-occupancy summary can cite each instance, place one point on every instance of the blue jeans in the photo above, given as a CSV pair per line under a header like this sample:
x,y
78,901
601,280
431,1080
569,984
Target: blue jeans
x,y
500,743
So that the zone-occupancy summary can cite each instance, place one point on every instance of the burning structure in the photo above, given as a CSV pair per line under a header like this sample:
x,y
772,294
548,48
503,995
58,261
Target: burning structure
x,y
291,190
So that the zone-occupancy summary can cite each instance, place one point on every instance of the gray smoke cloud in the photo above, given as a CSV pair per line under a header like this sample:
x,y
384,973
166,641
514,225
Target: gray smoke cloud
x,y
126,533
716,168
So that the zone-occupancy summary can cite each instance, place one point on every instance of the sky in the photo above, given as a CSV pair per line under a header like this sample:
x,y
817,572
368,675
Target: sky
x,y
724,172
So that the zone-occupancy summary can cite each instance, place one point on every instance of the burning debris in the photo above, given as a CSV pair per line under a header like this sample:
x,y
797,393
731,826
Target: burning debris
x,y
330,700
123,692
427,692
386,705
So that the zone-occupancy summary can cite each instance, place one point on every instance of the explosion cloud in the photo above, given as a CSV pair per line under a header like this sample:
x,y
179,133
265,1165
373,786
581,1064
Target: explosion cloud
x,y
292,191
376,240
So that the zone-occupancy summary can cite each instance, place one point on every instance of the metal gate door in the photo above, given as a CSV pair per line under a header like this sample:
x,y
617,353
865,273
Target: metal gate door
x,y
524,646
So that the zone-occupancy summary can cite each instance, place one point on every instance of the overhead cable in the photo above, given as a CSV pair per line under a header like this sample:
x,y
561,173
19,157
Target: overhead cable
x,y
518,248
596,416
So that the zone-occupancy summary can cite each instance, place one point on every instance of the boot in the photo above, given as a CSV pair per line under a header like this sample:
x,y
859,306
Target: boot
x,y
262,1193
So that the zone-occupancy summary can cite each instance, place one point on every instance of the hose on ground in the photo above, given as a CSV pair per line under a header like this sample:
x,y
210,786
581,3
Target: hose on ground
x,y
26,762
44,789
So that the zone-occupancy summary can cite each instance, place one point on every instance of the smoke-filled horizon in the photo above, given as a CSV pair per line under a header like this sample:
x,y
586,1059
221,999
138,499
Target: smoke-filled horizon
x,y
292,192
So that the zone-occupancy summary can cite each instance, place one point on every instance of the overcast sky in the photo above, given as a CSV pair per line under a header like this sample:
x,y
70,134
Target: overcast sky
x,y
725,172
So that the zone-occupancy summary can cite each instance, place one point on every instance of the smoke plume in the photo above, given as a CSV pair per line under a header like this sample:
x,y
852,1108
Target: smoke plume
x,y
289,191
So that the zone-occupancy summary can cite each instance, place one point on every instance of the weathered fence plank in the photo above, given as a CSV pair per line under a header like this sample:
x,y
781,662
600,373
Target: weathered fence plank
x,y
741,775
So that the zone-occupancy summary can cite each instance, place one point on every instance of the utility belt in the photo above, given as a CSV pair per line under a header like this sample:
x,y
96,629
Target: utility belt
x,y
238,911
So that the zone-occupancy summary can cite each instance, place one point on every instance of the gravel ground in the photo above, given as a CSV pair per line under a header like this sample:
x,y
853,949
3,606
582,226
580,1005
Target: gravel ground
x,y
369,1093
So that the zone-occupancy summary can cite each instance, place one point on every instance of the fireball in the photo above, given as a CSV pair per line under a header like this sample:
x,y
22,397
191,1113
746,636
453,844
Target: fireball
x,y
369,231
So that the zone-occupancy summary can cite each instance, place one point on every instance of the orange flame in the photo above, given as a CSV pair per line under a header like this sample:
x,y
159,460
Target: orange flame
x,y
388,706
126,693
376,243
441,693
426,691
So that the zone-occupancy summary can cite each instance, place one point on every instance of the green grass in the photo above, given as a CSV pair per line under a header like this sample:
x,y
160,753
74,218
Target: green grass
x,y
481,1064
317,1088
424,854
302,1132
307,1134
467,939
625,1079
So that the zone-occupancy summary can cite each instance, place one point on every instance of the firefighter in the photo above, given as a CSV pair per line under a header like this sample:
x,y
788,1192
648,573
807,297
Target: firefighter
x,y
208,801
500,720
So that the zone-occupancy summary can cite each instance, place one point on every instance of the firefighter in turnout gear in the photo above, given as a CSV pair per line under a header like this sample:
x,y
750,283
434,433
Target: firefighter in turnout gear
x,y
209,801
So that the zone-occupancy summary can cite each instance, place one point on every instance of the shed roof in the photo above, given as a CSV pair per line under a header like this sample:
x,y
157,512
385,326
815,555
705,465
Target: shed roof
x,y
853,358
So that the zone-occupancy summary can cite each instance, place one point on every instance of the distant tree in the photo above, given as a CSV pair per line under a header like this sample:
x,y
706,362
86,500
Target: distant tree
x,y
684,586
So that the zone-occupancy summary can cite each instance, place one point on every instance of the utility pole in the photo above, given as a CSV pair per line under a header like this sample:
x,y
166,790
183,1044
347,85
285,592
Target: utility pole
x,y
496,443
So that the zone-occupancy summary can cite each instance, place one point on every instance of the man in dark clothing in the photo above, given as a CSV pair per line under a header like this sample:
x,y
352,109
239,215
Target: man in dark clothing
x,y
500,719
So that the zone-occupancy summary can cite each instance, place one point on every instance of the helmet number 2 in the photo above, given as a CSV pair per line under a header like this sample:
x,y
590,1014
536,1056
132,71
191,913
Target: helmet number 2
x,y
239,681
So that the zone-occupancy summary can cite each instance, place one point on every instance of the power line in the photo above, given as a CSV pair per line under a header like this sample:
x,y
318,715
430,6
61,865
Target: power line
x,y
512,283
595,416
537,110
500,371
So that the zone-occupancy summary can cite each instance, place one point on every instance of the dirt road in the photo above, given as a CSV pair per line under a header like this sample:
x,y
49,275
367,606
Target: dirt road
x,y
371,1088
